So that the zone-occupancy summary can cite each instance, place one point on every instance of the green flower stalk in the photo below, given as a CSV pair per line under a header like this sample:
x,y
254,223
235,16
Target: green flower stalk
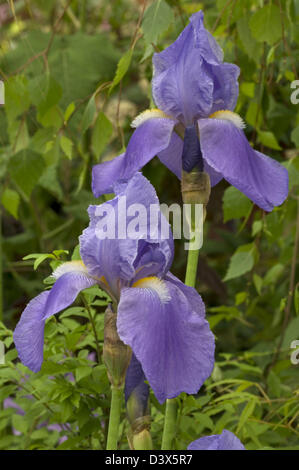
x,y
116,357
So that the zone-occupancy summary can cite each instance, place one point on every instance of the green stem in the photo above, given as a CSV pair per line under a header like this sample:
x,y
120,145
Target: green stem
x,y
1,271
114,418
169,424
191,272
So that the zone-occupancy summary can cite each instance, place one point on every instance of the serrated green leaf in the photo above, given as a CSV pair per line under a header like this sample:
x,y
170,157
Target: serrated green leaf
x,y
250,45
101,134
11,200
83,371
26,168
265,24
69,111
235,204
122,68
157,19
242,261
67,146
48,94
268,139
17,98
246,413
88,115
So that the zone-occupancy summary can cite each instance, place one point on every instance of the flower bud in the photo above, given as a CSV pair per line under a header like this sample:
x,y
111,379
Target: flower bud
x,y
142,440
116,354
138,408
196,188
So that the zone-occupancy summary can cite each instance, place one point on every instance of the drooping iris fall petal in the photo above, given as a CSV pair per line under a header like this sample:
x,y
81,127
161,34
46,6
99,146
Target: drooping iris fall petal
x,y
224,441
168,334
225,148
29,332
150,138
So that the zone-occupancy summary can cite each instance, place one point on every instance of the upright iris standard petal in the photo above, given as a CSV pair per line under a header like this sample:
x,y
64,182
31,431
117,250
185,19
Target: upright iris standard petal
x,y
190,79
168,334
224,441
29,332
150,138
226,149
117,258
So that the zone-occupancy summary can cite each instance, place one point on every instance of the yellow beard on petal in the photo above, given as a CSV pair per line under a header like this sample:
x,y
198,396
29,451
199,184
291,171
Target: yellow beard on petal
x,y
156,285
229,116
69,266
149,114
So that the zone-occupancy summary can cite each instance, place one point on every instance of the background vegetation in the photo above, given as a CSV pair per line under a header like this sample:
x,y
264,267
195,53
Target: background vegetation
x,y
76,73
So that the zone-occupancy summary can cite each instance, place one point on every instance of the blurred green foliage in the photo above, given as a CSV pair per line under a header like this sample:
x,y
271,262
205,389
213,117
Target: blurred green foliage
x,y
76,73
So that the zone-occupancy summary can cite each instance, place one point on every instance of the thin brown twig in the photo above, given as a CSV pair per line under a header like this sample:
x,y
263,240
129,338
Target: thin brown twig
x,y
291,290
284,40
220,15
93,328
45,52
135,38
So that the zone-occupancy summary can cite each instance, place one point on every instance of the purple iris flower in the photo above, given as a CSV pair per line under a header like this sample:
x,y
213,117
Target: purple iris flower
x,y
224,441
196,93
158,316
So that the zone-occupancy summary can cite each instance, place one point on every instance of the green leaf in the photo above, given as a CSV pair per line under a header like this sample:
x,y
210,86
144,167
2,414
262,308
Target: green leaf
x,y
250,46
101,134
49,93
254,114
39,258
69,111
122,68
19,423
274,274
49,181
89,114
265,24
274,385
292,166
235,204
17,98
157,19
11,200
67,146
246,413
296,299
268,139
248,89
26,168
242,261
295,136
83,371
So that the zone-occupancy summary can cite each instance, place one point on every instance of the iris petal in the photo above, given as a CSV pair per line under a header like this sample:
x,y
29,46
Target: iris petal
x,y
170,338
135,384
172,155
226,149
190,80
29,332
224,441
150,138
117,259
